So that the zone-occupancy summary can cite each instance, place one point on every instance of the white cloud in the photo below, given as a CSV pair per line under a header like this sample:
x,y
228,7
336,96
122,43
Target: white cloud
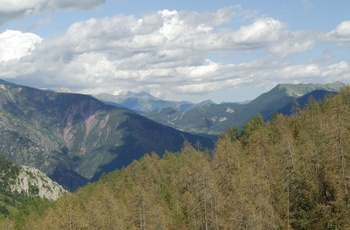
x,y
27,7
340,70
167,53
172,30
341,32
262,31
15,44
12,9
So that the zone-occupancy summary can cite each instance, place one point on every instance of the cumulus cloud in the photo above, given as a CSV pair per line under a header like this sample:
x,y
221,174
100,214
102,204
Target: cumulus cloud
x,y
15,44
165,53
341,32
259,33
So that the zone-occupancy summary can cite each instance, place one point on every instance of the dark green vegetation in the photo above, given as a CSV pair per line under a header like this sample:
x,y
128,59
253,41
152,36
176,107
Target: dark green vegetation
x,y
8,173
212,119
288,173
75,138
16,207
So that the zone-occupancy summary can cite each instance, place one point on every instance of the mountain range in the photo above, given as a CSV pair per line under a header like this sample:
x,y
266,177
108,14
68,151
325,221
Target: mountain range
x,y
75,138
144,103
211,119
291,172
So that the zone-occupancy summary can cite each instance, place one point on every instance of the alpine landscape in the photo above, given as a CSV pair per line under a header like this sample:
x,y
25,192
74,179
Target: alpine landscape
x,y
75,138
174,115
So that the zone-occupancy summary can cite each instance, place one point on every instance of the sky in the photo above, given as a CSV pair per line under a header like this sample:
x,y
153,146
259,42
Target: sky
x,y
223,50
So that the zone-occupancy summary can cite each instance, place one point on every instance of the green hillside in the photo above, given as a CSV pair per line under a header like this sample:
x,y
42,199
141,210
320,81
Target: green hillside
x,y
289,173
75,138
212,119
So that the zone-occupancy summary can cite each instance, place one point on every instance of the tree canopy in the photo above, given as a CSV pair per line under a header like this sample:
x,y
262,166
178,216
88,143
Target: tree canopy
x,y
288,173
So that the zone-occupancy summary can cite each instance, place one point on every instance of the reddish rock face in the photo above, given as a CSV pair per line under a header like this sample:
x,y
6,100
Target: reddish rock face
x,y
75,138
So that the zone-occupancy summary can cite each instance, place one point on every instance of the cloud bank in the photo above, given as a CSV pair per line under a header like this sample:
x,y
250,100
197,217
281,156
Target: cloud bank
x,y
14,9
167,53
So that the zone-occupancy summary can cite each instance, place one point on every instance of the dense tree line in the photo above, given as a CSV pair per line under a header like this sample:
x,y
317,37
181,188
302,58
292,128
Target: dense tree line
x,y
288,173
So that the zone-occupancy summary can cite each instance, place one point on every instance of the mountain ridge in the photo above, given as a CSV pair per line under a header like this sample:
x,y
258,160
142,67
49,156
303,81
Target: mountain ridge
x,y
75,138
144,102
288,173
297,90
213,119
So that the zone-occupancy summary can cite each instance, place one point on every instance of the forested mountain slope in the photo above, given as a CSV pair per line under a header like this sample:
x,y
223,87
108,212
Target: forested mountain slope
x,y
289,173
212,119
75,138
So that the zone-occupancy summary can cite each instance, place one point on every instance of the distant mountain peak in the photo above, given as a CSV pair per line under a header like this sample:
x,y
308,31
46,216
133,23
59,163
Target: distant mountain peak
x,y
206,102
298,90
130,94
143,94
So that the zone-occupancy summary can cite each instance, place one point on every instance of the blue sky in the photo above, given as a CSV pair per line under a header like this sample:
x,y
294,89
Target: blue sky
x,y
222,50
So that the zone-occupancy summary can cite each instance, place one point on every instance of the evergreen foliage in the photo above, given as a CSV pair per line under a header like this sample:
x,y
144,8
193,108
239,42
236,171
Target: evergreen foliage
x,y
8,172
15,207
289,173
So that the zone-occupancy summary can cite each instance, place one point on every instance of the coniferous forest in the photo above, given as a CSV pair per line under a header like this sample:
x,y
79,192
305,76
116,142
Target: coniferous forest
x,y
287,173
